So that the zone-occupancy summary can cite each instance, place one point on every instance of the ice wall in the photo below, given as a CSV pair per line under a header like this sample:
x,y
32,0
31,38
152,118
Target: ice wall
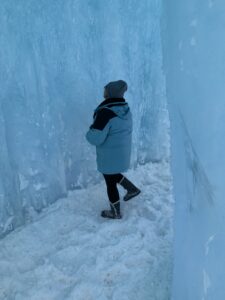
x,y
55,58
194,49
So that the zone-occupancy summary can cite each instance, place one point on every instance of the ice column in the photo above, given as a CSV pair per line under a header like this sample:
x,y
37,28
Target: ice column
x,y
194,50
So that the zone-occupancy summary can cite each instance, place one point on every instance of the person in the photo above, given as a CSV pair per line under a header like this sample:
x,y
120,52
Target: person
x,y
111,133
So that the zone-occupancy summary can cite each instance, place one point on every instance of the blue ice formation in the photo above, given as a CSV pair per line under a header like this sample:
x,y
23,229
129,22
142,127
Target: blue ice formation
x,y
194,55
55,58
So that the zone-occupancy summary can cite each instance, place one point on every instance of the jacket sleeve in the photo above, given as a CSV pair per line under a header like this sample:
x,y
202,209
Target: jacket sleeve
x,y
99,130
97,137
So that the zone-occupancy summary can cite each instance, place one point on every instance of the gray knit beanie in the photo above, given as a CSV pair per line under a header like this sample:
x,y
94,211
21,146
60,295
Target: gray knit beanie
x,y
116,89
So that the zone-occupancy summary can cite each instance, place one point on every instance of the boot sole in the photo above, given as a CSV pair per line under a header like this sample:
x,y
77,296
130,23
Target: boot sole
x,y
105,215
132,196
108,217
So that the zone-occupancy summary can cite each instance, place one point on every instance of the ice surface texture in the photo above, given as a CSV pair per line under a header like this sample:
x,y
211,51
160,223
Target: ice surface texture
x,y
194,63
55,58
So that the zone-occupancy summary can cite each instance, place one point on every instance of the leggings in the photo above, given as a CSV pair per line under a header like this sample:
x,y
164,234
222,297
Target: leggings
x,y
111,181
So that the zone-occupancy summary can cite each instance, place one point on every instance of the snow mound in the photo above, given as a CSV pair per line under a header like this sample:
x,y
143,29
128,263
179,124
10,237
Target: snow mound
x,y
69,252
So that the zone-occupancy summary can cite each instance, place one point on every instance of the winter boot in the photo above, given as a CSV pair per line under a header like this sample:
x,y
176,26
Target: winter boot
x,y
114,213
132,190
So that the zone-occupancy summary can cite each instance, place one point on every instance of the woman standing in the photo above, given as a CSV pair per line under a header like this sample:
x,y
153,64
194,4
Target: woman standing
x,y
111,133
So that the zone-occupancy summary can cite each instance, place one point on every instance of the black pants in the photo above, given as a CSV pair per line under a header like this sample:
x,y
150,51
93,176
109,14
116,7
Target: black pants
x,y
111,181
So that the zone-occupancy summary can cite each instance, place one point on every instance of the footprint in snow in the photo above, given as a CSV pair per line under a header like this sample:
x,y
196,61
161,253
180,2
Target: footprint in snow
x,y
147,213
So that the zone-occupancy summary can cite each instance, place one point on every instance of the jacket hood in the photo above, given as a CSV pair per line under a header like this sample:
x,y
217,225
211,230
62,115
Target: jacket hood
x,y
121,111
118,105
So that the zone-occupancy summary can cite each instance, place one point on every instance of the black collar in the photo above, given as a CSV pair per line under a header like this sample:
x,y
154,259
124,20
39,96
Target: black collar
x,y
109,102
112,100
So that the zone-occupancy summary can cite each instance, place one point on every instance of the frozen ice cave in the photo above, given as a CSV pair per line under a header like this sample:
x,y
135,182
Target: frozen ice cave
x,y
55,58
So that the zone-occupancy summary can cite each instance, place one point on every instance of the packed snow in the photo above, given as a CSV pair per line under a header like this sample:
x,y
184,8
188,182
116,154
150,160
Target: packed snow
x,y
68,252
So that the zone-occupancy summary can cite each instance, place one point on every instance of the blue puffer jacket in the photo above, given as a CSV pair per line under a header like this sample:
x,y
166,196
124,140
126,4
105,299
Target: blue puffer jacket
x,y
111,133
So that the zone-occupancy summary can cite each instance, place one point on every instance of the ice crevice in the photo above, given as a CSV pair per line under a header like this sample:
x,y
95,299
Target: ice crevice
x,y
55,58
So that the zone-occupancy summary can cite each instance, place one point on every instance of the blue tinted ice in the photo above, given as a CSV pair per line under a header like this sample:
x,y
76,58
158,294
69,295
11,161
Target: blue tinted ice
x,y
55,58
194,61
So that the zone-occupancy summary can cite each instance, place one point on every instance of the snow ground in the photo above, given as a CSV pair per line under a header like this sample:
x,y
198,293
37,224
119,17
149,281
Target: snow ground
x,y
68,252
